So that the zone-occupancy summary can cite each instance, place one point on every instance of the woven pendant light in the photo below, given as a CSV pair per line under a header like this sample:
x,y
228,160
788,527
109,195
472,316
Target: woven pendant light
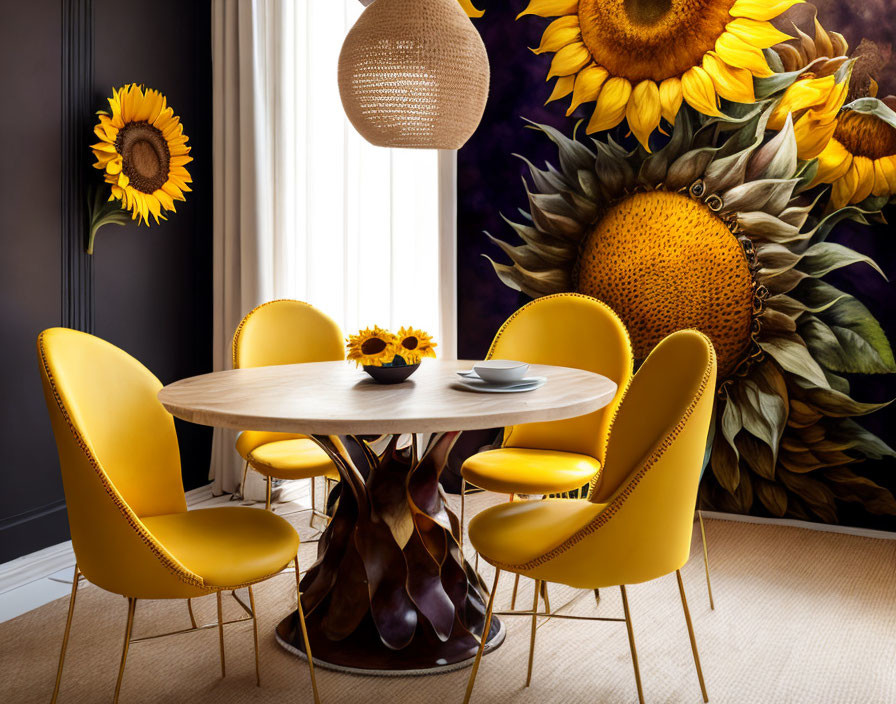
x,y
414,73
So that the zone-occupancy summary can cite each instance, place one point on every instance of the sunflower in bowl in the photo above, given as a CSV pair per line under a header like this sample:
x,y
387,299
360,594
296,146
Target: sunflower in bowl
x,y
413,345
372,347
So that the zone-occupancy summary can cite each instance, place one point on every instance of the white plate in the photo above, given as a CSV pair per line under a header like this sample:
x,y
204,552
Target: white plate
x,y
528,384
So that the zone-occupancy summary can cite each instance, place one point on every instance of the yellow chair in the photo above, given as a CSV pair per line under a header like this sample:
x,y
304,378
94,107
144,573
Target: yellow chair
x,y
131,531
286,332
567,330
637,524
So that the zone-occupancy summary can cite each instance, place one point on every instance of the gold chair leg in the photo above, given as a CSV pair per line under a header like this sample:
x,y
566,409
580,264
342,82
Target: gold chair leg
x,y
192,617
538,584
516,584
463,503
243,483
132,607
313,502
631,643
255,636
305,634
221,633
597,596
482,641
68,627
267,499
687,617
544,594
706,560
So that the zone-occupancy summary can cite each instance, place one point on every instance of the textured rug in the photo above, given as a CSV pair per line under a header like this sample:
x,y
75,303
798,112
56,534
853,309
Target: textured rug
x,y
801,616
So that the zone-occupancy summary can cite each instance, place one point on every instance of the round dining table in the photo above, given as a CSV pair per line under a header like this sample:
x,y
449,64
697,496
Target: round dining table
x,y
391,591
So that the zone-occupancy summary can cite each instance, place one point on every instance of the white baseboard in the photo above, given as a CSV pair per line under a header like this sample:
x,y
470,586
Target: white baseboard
x,y
43,563
808,525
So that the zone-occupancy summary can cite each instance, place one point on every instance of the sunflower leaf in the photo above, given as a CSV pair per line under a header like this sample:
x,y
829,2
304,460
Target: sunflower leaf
x,y
829,402
846,485
573,155
838,383
793,355
777,158
773,496
857,438
840,349
731,423
757,454
873,106
819,498
825,257
724,464
762,402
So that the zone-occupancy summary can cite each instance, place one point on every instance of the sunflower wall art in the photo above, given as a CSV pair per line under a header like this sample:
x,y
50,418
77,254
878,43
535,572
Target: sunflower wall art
x,y
142,152
720,164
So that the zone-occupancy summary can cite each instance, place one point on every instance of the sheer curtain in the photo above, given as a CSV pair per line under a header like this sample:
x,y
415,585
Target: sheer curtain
x,y
304,207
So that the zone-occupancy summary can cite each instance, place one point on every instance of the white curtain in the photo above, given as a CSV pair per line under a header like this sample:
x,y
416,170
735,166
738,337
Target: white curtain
x,y
304,207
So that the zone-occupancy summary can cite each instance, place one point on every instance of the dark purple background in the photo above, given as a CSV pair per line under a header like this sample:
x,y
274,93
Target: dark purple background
x,y
489,184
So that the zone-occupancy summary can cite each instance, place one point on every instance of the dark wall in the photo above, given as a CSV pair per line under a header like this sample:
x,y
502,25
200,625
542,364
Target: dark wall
x,y
152,287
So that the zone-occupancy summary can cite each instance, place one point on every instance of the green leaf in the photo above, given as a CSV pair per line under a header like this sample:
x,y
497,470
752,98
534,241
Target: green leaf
x,y
825,257
763,412
724,464
846,485
847,431
794,356
873,106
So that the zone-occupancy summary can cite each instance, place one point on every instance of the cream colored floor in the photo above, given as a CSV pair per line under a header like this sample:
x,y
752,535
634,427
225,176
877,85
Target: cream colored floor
x,y
801,616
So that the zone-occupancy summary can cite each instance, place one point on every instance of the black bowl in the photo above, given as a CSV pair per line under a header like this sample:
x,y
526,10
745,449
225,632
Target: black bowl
x,y
390,375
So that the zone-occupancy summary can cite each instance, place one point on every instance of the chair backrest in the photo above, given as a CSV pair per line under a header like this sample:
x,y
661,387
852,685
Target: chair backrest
x,y
286,332
119,458
567,330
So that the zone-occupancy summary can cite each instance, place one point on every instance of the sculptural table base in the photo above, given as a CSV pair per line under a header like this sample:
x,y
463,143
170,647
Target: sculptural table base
x,y
391,592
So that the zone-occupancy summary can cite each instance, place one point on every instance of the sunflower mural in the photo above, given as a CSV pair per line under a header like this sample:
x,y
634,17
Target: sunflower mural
x,y
717,230
143,153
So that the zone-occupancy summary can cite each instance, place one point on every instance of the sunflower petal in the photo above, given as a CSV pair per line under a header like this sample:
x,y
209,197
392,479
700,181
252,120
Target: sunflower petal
x,y
697,89
587,86
550,8
762,35
569,60
736,52
833,162
762,10
611,104
562,87
734,84
864,169
644,112
559,33
812,135
670,99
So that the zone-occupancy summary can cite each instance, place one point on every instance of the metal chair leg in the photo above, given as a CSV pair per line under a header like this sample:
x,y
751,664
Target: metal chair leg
x,y
516,584
706,560
313,502
484,638
687,618
192,617
538,584
221,633
631,643
243,483
305,633
68,626
255,636
132,607
463,502
597,596
267,499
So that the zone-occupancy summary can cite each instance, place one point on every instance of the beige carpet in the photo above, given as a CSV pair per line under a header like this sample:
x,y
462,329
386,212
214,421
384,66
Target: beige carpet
x,y
801,616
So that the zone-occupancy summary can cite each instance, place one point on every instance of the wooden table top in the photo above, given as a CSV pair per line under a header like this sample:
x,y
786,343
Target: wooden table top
x,y
336,398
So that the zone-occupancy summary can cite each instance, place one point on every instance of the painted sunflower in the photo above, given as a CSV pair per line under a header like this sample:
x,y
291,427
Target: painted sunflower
x,y
371,347
860,159
143,152
412,345
715,231
640,59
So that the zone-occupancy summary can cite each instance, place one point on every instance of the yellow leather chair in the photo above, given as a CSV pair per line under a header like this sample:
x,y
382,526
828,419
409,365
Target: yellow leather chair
x,y
636,525
557,457
286,332
131,531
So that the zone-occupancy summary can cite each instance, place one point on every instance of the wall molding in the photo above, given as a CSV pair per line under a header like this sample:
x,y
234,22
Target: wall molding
x,y
43,563
77,111
806,525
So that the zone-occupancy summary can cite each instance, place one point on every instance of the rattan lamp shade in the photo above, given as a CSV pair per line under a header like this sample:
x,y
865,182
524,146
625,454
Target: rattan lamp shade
x,y
415,74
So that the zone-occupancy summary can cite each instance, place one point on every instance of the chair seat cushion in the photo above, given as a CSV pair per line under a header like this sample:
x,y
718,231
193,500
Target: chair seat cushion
x,y
514,533
227,546
248,440
512,470
292,459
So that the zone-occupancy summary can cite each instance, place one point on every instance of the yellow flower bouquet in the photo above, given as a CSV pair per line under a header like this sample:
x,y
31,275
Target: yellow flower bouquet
x,y
390,358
